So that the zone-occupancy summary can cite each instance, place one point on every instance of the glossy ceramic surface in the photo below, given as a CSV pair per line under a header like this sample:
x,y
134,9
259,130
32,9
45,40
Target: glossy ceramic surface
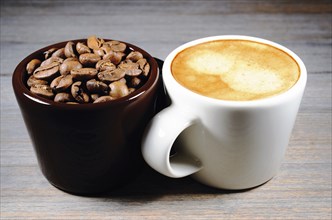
x,y
87,148
224,144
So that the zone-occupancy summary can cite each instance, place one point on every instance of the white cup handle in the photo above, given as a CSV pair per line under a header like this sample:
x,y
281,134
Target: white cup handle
x,y
158,140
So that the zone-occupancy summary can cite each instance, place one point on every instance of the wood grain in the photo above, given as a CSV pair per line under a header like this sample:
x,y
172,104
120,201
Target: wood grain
x,y
301,190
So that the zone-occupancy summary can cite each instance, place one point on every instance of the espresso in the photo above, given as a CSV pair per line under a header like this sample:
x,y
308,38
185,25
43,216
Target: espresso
x,y
238,70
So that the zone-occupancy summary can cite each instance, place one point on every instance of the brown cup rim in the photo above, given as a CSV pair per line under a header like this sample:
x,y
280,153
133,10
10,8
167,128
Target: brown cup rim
x,y
21,89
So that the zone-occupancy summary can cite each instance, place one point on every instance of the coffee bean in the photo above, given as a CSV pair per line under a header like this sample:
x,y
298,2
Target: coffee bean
x,y
118,89
130,68
94,97
144,66
42,90
102,65
61,83
118,46
51,60
78,93
71,59
69,65
111,75
49,52
134,56
60,53
33,81
64,83
114,57
100,52
89,59
32,65
128,64
47,72
87,72
95,86
133,72
146,70
82,48
84,73
103,99
69,49
131,90
94,42
55,82
123,80
134,82
109,43
106,48
62,97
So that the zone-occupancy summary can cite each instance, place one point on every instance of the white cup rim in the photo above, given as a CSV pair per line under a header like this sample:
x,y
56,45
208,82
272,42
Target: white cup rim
x,y
298,87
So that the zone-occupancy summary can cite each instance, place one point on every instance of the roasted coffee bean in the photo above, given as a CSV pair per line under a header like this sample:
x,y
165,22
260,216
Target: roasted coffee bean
x,y
95,86
144,66
103,99
61,83
94,97
128,64
109,43
42,90
71,59
62,97
60,53
111,75
141,63
87,72
131,90
134,56
114,57
51,60
49,52
130,68
47,72
82,48
33,81
89,59
100,52
118,46
133,72
64,83
102,65
118,89
123,80
55,82
134,82
69,65
32,65
94,42
69,49
84,73
78,93
106,48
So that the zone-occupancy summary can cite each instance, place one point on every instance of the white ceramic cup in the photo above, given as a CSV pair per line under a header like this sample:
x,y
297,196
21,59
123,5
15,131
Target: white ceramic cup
x,y
224,144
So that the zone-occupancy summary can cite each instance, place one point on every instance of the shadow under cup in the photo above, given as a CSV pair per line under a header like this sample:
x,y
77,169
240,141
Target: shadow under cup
x,y
87,148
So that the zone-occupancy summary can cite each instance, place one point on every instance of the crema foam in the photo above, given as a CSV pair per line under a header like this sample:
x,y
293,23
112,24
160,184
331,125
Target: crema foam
x,y
238,70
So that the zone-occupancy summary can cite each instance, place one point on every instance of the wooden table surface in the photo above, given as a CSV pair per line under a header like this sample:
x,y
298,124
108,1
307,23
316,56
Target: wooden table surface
x,y
302,188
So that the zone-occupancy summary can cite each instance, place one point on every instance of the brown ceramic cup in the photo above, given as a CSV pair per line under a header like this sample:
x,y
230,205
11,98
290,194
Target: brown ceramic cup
x,y
87,148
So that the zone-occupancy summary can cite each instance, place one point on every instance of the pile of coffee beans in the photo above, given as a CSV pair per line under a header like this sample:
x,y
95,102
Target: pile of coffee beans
x,y
87,72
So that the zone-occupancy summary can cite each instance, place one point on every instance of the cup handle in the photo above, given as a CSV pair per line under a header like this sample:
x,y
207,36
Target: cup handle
x,y
158,140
